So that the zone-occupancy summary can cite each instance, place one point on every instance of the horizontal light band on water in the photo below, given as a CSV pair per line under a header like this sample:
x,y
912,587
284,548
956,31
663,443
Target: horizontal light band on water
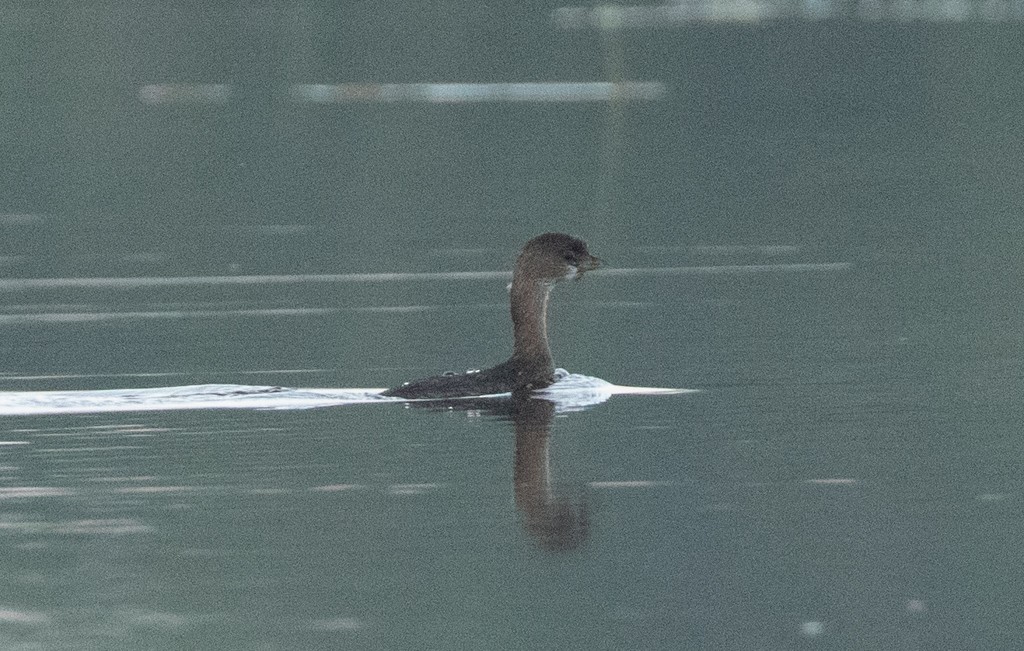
x,y
636,483
87,317
431,93
185,94
22,284
452,93
611,17
614,17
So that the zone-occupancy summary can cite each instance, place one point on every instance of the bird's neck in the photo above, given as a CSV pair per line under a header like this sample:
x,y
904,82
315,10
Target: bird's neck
x,y
529,321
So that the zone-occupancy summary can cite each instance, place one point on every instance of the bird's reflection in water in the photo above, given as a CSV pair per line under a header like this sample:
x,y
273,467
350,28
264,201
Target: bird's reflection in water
x,y
554,520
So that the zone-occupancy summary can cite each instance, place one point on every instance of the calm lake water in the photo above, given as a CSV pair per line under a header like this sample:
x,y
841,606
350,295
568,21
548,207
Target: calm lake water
x,y
816,225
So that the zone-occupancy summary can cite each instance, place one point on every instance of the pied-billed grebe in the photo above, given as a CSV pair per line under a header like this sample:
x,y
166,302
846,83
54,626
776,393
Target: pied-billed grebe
x,y
544,260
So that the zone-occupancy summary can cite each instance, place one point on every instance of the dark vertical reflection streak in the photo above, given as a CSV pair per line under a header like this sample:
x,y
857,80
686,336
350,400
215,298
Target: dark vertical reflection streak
x,y
554,520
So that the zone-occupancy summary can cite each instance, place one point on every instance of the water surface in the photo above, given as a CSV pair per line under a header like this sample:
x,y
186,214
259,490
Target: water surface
x,y
814,224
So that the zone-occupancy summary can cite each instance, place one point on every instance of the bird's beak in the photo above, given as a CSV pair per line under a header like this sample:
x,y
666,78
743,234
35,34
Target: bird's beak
x,y
588,264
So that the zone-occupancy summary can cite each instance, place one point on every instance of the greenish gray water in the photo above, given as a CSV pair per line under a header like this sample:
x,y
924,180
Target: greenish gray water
x,y
849,477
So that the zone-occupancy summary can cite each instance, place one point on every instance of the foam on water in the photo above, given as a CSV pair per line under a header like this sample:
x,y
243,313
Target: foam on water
x,y
571,392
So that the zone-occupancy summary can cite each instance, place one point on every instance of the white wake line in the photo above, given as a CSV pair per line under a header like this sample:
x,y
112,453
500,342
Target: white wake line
x,y
101,405
202,397
21,284
92,376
